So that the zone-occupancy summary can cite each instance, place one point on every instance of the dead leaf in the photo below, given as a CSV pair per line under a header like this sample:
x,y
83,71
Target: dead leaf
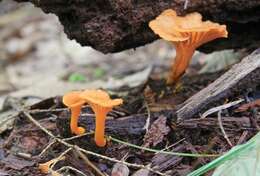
x,y
120,169
157,132
16,163
245,107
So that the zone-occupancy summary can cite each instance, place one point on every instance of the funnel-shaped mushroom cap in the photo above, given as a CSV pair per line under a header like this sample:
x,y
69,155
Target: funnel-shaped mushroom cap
x,y
187,33
101,104
72,99
100,98
174,28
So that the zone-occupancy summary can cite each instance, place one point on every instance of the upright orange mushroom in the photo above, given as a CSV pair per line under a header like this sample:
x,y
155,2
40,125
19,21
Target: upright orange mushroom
x,y
101,104
187,33
74,102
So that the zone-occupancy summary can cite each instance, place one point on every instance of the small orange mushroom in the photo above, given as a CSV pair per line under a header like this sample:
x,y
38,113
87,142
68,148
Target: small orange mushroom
x,y
74,102
45,167
187,33
101,104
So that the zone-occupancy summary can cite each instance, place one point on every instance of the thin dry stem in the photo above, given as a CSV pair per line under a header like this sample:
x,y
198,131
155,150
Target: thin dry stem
x,y
86,151
88,162
222,129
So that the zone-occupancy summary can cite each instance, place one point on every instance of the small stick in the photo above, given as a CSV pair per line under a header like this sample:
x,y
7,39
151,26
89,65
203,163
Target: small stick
x,y
86,151
71,168
60,157
78,136
148,120
186,3
223,130
88,162
46,148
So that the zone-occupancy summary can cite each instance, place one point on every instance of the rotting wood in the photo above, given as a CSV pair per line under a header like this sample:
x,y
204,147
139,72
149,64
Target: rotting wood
x,y
116,25
163,162
236,81
132,127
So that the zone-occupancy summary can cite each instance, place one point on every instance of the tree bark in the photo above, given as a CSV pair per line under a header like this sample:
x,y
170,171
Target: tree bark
x,y
241,77
116,25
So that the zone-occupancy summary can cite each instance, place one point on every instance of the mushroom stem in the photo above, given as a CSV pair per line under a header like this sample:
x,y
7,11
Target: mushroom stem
x,y
75,113
181,62
100,114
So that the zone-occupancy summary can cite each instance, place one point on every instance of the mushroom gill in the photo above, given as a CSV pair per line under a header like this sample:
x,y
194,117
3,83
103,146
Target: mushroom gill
x,y
186,33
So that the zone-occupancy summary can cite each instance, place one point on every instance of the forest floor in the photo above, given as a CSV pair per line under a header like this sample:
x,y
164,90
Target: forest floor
x,y
34,123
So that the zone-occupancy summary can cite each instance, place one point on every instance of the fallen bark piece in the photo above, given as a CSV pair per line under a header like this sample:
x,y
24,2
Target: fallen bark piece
x,y
237,80
116,25
156,133
130,127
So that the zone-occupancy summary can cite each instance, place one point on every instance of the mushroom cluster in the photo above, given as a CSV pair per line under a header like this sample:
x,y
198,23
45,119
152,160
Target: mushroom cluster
x,y
99,102
186,33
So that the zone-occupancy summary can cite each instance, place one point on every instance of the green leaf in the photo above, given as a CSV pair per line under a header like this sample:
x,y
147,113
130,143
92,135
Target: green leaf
x,y
241,160
77,77
99,72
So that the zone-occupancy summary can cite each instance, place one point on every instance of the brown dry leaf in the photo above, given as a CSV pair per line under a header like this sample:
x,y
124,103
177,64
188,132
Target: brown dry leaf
x,y
246,106
16,163
157,132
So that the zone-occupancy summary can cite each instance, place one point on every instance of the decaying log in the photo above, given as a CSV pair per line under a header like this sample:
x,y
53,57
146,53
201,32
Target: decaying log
x,y
236,81
116,25
130,127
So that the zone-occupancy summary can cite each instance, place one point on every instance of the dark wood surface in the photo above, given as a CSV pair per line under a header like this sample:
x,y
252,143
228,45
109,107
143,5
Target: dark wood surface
x,y
116,25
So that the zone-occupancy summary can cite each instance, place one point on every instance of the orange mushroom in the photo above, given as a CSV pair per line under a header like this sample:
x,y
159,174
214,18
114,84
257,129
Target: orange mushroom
x,y
187,33
45,167
101,104
74,102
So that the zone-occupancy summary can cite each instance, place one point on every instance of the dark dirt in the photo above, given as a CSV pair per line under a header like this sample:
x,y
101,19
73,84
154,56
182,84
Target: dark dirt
x,y
192,136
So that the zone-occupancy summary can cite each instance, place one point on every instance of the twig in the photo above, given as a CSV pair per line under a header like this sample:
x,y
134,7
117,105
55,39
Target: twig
x,y
47,147
159,151
222,129
86,160
60,157
66,139
86,151
218,108
186,3
170,146
148,120
79,136
71,168
242,137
